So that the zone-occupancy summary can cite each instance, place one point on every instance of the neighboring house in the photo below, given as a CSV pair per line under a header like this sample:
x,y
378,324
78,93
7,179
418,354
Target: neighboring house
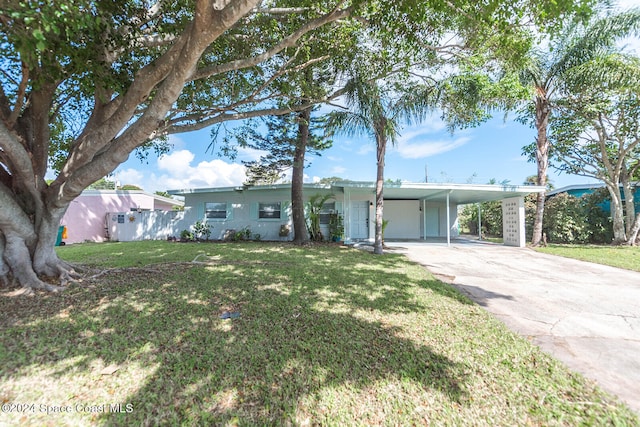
x,y
414,210
86,218
579,190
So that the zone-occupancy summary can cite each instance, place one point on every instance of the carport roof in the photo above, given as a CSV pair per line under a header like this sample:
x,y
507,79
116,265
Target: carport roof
x,y
458,193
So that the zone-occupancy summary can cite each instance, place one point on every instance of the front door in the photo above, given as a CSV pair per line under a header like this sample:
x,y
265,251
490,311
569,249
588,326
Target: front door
x,y
359,220
432,221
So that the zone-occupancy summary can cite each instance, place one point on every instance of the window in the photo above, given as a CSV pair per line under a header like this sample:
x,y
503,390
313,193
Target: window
x,y
269,210
326,211
215,210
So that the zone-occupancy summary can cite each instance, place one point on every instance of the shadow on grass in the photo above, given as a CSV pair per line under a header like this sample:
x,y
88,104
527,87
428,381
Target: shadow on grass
x,y
303,333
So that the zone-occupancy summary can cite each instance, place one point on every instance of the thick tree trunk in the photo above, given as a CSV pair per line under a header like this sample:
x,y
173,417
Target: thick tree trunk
x,y
30,209
542,159
633,233
28,251
629,202
300,234
381,148
617,215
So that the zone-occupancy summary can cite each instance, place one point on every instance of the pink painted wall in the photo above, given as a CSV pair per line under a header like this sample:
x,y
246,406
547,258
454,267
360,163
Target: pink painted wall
x,y
85,217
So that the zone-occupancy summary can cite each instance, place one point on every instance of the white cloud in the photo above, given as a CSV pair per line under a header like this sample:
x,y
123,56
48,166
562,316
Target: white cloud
x,y
130,176
177,162
433,124
250,154
424,149
176,142
180,173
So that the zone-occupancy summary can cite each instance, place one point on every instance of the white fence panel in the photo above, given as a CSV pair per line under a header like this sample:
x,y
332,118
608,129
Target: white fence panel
x,y
145,225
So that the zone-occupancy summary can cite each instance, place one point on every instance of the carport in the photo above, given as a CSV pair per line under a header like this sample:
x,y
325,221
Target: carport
x,y
420,211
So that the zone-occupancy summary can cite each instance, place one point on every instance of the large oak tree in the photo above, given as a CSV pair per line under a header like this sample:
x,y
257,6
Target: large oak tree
x,y
86,83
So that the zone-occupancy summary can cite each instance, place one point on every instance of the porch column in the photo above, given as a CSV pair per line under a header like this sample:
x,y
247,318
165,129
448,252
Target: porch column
x,y
448,221
479,221
347,215
424,218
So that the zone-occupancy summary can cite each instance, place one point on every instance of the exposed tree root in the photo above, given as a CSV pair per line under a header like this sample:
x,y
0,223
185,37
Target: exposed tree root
x,y
200,259
46,287
120,270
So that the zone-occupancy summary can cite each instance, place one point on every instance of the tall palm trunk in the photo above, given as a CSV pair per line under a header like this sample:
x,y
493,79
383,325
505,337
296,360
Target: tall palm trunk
x,y
381,142
542,158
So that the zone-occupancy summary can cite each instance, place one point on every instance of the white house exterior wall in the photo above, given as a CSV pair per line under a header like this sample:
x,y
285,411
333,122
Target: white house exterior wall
x,y
242,211
432,211
415,210
404,219
239,208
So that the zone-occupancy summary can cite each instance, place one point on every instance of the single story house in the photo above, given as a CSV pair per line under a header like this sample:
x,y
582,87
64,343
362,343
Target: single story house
x,y
579,190
86,218
414,210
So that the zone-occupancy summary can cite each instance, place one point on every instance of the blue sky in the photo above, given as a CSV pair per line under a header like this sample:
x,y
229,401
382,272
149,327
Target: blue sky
x,y
492,150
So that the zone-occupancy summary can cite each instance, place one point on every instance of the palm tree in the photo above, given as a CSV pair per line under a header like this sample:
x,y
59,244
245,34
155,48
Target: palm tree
x,y
548,73
375,113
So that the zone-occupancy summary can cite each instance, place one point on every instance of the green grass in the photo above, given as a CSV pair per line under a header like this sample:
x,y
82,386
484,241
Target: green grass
x,y
627,257
326,335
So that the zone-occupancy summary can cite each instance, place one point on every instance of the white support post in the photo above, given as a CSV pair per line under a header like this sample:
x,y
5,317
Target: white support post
x,y
424,218
347,215
479,221
448,222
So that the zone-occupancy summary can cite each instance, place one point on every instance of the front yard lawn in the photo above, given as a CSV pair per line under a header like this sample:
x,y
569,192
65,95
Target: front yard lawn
x,y
273,334
627,257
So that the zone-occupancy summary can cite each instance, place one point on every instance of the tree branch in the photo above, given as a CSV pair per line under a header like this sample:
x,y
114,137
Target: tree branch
x,y
167,76
286,42
20,97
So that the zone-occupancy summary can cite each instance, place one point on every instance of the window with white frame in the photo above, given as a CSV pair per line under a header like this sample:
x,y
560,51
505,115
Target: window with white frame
x,y
215,210
269,210
326,211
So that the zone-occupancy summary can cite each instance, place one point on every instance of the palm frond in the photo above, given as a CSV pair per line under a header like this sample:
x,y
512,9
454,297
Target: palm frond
x,y
601,36
349,124
605,71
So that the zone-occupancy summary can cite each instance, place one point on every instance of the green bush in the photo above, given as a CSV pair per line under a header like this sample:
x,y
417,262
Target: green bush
x,y
201,230
567,219
491,216
564,220
599,223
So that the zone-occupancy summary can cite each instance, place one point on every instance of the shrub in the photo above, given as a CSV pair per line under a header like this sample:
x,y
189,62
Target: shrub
x,y
201,230
599,226
564,220
186,235
242,234
491,216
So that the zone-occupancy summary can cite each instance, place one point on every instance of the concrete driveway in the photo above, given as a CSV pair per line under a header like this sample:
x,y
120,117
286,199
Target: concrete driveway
x,y
586,315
